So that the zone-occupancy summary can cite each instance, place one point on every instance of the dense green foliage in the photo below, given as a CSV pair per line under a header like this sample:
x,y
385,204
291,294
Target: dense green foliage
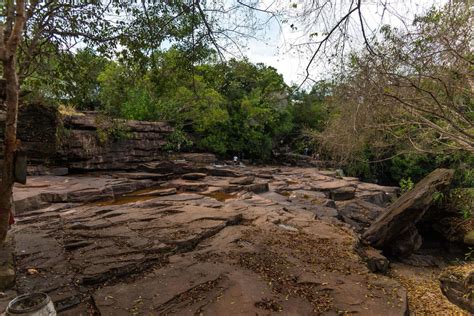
x,y
69,79
406,107
229,108
239,108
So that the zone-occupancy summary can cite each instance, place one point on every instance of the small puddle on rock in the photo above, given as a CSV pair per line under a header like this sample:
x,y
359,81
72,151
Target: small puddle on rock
x,y
220,196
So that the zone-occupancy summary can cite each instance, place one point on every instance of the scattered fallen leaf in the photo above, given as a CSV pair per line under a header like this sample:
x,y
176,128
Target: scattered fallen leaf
x,y
32,271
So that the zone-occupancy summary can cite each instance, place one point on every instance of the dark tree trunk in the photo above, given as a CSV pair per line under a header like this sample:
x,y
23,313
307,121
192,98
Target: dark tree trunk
x,y
10,35
6,189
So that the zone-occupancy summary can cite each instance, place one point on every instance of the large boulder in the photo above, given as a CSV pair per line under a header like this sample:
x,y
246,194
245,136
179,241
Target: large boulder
x,y
359,213
376,261
398,221
457,283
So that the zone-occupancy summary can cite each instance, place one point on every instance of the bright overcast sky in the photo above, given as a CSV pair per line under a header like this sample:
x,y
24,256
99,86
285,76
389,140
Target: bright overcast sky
x,y
275,50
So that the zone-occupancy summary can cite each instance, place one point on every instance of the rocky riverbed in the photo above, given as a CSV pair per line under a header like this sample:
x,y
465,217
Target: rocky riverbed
x,y
179,238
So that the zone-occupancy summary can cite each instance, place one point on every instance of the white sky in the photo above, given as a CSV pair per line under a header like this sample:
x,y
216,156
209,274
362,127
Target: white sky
x,y
275,51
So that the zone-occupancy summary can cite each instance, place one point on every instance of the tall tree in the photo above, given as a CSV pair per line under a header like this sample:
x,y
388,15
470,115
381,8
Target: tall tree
x,y
33,30
28,30
414,93
10,37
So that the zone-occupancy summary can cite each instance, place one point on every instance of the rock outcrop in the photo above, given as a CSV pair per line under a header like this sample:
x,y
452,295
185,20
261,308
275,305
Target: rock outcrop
x,y
88,141
92,144
457,283
394,230
37,131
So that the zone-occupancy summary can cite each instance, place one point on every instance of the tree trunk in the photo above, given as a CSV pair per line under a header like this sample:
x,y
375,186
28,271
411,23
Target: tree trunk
x,y
11,101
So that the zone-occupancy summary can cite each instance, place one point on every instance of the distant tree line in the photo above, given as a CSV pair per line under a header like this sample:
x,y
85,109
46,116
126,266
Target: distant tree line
x,y
397,111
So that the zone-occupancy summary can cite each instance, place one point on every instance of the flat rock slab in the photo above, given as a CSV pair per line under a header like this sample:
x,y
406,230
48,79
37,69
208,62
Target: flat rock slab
x,y
226,249
188,185
41,191
142,175
257,187
359,213
331,185
155,192
342,194
193,176
243,180
221,172
232,274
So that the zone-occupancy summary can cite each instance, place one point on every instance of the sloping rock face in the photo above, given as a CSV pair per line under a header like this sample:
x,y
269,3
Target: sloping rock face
x,y
394,230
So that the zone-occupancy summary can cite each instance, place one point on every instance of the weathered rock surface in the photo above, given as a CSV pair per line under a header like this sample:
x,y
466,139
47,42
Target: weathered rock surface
x,y
457,283
397,222
141,175
207,252
359,214
37,127
376,261
190,186
42,191
193,176
153,192
243,181
204,158
168,167
424,293
41,170
342,194
88,142
83,149
257,187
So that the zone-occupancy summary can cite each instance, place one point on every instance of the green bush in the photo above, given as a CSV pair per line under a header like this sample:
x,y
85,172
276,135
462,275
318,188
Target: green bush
x,y
406,184
177,141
